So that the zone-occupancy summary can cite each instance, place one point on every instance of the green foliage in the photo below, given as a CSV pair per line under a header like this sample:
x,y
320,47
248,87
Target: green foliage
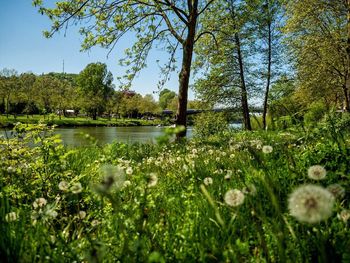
x,y
209,123
165,97
155,203
315,113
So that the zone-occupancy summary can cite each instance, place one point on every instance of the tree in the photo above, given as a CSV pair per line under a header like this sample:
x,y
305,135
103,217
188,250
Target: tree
x,y
266,16
228,79
165,96
95,84
45,89
9,87
319,40
27,81
173,23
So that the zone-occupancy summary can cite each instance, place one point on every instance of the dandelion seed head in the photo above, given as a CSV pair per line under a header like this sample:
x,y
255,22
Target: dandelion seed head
x,y
10,217
316,172
208,181
51,213
95,222
126,183
336,190
344,215
249,189
234,197
63,186
129,171
81,214
267,149
76,188
39,202
310,203
153,180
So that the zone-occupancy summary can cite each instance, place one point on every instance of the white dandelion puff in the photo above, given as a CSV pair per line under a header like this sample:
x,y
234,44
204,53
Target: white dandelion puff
x,y
81,214
63,186
76,188
316,172
153,180
234,197
208,181
310,203
129,171
267,149
126,183
344,215
39,202
249,189
336,190
10,217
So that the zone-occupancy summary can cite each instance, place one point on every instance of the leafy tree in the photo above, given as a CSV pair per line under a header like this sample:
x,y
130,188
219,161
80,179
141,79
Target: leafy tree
x,y
9,87
95,84
165,96
173,23
27,81
228,78
266,17
319,40
45,89
148,105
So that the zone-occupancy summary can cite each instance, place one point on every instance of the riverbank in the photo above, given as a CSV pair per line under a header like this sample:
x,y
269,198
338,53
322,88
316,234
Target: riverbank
x,y
9,122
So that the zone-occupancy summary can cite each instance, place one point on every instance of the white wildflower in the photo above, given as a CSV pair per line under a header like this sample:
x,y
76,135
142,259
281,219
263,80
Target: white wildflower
x,y
316,172
234,197
39,202
310,203
267,149
81,214
129,171
76,188
153,180
10,217
208,181
126,183
63,186
336,190
344,215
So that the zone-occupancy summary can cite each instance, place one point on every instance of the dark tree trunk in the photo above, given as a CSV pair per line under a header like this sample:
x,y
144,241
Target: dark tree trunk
x,y
269,62
346,87
244,96
184,76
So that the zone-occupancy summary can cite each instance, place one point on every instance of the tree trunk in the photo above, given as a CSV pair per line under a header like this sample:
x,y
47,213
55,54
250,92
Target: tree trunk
x,y
346,88
244,96
269,62
184,76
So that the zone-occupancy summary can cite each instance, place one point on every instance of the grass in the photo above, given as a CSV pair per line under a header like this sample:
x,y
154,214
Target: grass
x,y
155,203
10,121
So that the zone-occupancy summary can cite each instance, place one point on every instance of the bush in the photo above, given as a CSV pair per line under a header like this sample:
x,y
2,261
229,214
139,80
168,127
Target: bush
x,y
209,123
315,113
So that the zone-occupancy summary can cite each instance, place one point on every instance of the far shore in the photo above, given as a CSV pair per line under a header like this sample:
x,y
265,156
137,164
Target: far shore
x,y
10,120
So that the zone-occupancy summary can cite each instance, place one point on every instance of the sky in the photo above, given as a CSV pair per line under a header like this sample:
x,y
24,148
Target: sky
x,y
24,48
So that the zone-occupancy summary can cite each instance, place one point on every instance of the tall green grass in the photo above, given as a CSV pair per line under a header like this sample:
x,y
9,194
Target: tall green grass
x,y
168,202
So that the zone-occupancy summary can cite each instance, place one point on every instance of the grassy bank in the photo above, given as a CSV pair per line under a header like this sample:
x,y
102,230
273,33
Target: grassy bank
x,y
10,121
224,199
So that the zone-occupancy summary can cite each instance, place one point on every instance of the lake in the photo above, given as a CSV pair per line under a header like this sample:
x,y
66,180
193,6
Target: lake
x,y
75,136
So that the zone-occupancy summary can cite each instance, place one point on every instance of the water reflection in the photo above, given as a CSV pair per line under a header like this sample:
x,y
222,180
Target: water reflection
x,y
103,135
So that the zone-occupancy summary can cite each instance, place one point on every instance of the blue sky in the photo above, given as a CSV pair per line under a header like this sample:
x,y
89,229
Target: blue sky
x,y
23,48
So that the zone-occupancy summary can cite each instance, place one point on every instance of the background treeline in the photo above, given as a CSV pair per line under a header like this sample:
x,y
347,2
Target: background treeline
x,y
90,93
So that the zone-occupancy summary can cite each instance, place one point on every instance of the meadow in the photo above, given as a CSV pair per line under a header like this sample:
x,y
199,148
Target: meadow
x,y
234,196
